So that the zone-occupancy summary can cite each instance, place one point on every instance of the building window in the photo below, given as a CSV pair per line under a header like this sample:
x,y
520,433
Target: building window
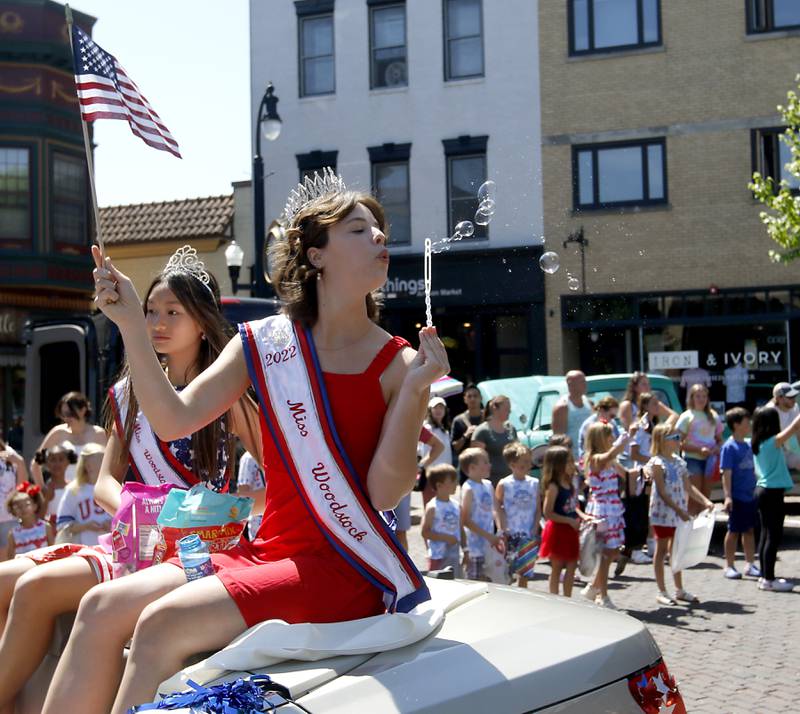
x,y
608,25
619,174
314,161
770,156
466,171
463,39
390,183
70,225
387,45
315,42
771,15
15,197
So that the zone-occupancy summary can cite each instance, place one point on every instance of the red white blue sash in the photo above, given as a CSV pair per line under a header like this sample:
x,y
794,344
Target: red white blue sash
x,y
149,457
285,372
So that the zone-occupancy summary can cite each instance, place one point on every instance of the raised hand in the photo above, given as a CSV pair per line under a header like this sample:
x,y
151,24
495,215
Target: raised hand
x,y
431,361
114,293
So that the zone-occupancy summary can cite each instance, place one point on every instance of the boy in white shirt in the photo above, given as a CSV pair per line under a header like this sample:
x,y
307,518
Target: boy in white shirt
x,y
441,526
477,511
517,502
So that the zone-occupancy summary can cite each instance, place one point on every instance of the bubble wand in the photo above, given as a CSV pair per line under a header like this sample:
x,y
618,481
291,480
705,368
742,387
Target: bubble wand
x,y
427,280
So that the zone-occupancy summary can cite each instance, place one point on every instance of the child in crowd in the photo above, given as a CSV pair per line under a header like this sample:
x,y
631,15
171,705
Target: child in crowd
x,y
27,504
57,460
669,500
80,520
477,511
604,471
517,502
739,484
441,526
560,535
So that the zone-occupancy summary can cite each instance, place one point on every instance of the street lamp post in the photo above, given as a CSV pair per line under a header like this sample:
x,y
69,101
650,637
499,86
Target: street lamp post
x,y
268,116
234,257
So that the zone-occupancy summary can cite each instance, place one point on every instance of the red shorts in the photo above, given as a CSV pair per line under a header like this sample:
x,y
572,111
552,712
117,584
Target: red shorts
x,y
559,542
664,532
318,587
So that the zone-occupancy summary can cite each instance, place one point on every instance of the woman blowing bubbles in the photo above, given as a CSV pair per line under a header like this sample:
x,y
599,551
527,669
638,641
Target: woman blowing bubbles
x,y
342,403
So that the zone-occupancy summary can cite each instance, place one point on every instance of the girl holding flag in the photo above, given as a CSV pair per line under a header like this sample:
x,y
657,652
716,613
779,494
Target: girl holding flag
x,y
185,326
341,404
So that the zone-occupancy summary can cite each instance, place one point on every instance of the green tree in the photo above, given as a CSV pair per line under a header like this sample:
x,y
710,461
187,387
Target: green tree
x,y
783,218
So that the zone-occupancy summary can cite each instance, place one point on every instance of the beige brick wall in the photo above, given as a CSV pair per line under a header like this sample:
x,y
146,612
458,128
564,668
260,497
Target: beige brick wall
x,y
706,72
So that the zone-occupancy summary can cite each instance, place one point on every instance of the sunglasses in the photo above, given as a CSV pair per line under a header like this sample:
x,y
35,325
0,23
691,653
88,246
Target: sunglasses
x,y
673,437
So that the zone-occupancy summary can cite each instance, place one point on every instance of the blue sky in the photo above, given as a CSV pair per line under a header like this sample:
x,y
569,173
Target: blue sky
x,y
191,59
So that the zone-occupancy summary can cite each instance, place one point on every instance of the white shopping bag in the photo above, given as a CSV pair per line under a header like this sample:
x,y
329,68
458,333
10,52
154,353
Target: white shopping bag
x,y
495,566
692,539
589,549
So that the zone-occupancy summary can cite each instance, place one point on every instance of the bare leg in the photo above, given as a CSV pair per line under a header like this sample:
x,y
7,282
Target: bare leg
x,y
676,577
10,572
662,545
749,545
730,548
601,576
88,674
569,577
41,594
197,617
555,574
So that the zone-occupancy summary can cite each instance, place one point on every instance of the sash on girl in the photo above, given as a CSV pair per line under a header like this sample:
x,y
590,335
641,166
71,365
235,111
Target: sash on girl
x,y
285,372
150,458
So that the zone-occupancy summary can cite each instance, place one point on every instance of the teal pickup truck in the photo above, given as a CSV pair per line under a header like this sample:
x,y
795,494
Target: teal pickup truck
x,y
533,399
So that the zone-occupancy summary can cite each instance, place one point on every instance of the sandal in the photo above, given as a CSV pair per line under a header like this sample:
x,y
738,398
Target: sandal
x,y
664,599
686,596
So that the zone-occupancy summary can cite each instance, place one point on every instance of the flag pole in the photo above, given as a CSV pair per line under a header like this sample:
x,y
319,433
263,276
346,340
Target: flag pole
x,y
87,146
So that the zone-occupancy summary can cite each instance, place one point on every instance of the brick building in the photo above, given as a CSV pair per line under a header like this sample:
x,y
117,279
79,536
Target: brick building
x,y
654,116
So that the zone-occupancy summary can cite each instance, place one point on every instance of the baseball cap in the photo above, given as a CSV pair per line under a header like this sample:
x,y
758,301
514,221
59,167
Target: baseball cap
x,y
784,389
434,401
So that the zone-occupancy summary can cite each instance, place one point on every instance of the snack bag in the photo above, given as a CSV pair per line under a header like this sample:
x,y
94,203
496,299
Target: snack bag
x,y
219,519
134,529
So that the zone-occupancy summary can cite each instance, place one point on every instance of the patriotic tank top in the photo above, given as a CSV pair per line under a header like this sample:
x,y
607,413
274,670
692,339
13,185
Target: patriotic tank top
x,y
28,539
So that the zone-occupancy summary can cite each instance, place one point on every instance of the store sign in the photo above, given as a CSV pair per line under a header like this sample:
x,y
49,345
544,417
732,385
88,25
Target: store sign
x,y
673,360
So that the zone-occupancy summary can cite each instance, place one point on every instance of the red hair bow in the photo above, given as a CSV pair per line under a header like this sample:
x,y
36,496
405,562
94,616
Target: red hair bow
x,y
31,489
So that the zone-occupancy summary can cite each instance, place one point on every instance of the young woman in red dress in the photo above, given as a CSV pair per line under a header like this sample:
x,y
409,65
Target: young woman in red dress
x,y
326,271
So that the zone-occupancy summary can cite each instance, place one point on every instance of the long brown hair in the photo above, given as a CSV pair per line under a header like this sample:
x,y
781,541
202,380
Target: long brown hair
x,y
630,389
597,436
293,275
204,307
554,466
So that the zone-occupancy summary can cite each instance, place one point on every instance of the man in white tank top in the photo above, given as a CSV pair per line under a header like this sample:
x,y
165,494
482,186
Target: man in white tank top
x,y
572,410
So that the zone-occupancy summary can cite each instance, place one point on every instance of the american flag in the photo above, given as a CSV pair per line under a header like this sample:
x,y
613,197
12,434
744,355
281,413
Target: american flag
x,y
105,91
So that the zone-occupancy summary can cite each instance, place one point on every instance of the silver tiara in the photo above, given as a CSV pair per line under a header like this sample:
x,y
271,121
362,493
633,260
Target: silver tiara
x,y
310,189
185,260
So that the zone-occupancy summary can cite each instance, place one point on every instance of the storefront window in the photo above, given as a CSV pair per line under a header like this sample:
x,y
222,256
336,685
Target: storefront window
x,y
754,354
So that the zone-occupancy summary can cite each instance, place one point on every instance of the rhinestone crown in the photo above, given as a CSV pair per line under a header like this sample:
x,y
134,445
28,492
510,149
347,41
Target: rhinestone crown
x,y
185,260
310,189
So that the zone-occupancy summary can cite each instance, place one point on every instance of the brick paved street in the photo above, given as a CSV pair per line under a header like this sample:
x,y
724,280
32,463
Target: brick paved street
x,y
737,652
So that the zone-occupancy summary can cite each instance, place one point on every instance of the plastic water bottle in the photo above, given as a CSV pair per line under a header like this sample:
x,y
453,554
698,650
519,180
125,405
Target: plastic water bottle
x,y
195,558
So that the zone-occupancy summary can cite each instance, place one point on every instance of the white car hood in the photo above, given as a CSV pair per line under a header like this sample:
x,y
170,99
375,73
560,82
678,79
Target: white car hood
x,y
509,650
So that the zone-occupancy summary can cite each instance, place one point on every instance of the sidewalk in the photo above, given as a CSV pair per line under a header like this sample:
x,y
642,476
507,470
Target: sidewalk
x,y
736,652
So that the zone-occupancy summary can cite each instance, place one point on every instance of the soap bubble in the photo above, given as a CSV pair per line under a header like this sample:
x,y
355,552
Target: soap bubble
x,y
549,262
487,206
481,218
440,246
488,189
573,284
464,230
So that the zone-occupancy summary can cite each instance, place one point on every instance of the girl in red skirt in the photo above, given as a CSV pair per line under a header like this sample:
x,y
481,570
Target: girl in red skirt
x,y
560,535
